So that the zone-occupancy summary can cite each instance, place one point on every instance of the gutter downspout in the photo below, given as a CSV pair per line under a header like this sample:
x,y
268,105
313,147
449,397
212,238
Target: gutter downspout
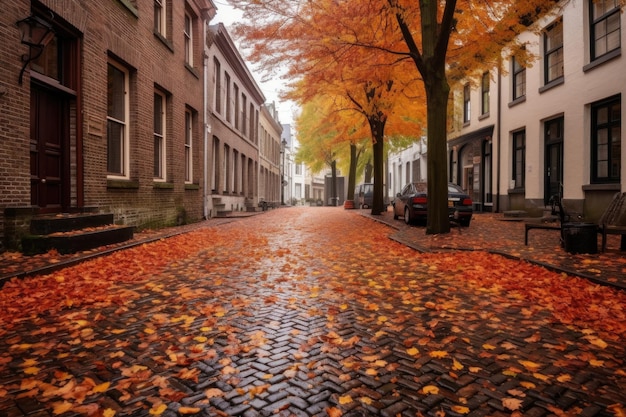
x,y
499,138
205,124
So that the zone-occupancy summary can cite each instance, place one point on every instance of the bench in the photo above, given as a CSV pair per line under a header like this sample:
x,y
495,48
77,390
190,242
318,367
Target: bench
x,y
613,220
557,208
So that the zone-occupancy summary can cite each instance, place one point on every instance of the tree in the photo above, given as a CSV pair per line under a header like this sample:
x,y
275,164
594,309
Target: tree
x,y
304,34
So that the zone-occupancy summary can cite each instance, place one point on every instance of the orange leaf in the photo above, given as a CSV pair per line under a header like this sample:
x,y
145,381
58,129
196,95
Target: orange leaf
x,y
189,410
512,403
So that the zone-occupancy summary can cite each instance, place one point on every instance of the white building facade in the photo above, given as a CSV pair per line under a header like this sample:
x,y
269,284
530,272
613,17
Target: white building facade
x,y
518,137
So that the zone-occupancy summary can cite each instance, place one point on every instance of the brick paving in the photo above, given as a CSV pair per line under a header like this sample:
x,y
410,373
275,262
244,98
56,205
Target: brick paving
x,y
293,313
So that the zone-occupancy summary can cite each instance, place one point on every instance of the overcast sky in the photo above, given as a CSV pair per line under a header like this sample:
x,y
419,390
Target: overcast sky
x,y
227,15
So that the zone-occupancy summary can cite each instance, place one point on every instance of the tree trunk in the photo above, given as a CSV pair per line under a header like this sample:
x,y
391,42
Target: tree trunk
x,y
333,182
437,91
377,127
368,172
354,159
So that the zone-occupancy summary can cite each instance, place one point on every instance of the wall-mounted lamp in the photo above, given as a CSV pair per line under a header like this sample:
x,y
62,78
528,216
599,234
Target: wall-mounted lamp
x,y
36,33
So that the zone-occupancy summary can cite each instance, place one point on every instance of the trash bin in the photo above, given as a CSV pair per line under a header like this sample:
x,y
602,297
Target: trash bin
x,y
580,237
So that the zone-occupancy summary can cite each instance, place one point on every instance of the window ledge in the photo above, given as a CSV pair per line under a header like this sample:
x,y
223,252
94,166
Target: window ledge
x,y
483,116
130,7
122,184
552,84
516,191
165,41
163,185
517,101
192,70
602,187
192,186
603,59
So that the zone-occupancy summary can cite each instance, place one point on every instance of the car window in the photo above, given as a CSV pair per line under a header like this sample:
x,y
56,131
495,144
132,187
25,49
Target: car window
x,y
421,187
454,189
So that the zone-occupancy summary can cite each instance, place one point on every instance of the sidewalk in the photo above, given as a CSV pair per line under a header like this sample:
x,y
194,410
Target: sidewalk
x,y
488,232
494,233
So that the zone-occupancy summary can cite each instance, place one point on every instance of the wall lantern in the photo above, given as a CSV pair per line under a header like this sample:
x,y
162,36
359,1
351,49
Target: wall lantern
x,y
36,33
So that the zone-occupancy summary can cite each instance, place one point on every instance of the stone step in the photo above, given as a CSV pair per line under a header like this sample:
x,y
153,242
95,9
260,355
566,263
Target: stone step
x,y
48,224
76,240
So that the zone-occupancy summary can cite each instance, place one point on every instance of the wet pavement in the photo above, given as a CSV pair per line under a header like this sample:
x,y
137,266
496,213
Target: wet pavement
x,y
316,312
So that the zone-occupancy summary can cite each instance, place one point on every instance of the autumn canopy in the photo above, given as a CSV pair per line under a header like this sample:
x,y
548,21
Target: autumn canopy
x,y
392,61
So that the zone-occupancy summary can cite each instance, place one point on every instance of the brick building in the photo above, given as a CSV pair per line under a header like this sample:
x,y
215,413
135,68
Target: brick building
x,y
107,112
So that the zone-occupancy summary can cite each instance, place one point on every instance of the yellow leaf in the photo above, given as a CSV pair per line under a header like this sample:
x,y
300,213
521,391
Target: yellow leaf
x,y
564,378
541,376
438,354
345,399
460,409
512,403
61,407
29,362
596,363
487,346
200,339
31,370
430,389
109,412
366,400
598,342
475,369
531,366
213,393
157,410
102,387
412,351
382,319
188,410
148,330
371,372
527,385
456,365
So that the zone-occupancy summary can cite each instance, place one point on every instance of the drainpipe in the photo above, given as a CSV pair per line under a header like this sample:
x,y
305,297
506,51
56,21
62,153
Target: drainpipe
x,y
499,138
205,124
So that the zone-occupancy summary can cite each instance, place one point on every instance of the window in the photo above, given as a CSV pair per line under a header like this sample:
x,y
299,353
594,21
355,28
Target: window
x,y
159,17
188,40
228,104
244,118
218,85
484,93
519,158
606,141
553,52
236,109
466,104
519,80
605,27
117,121
159,135
188,146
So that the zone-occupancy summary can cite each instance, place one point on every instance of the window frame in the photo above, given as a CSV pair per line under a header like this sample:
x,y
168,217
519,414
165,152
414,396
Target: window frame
x,y
553,51
160,138
217,77
485,89
160,17
188,146
604,19
612,126
518,146
188,35
518,70
124,147
467,103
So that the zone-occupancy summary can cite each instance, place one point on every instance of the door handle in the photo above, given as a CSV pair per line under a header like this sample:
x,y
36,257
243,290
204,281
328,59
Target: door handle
x,y
43,180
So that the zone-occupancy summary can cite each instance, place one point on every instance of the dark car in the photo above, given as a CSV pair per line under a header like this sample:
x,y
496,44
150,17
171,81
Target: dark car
x,y
411,203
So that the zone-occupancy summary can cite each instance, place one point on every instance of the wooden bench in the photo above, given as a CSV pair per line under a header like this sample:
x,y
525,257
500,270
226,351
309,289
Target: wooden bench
x,y
557,208
613,220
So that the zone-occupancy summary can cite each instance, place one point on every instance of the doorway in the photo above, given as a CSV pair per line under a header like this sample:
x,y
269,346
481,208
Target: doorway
x,y
554,159
49,149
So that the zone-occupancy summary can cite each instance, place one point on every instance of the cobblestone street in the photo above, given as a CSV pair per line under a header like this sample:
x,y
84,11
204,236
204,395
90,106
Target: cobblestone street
x,y
306,312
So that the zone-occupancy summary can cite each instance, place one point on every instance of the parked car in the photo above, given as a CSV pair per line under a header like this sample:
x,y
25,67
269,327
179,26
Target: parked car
x,y
363,195
411,204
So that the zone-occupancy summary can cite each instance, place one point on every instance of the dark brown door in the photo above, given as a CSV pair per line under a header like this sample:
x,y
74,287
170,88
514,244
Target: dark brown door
x,y
554,159
49,168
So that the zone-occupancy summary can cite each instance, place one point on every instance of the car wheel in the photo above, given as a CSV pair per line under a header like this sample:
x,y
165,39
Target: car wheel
x,y
395,215
407,216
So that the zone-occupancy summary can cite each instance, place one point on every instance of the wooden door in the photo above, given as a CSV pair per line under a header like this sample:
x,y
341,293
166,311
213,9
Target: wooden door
x,y
49,167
